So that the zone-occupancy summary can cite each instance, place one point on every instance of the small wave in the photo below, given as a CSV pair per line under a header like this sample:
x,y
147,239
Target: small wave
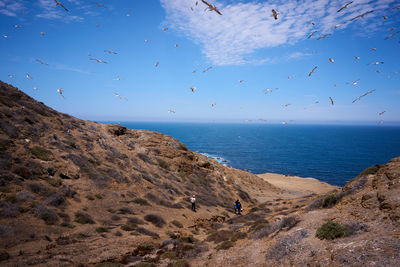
x,y
220,160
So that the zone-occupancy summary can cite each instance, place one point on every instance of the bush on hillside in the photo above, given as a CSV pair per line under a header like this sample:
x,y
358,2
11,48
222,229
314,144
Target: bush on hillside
x,y
83,218
331,230
157,220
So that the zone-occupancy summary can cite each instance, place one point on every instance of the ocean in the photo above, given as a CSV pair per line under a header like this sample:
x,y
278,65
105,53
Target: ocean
x,y
331,153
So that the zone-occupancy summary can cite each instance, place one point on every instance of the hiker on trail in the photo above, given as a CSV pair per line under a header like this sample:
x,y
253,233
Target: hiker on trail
x,y
193,201
238,207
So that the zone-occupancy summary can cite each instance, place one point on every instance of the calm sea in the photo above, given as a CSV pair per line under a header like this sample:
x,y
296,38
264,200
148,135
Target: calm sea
x,y
330,153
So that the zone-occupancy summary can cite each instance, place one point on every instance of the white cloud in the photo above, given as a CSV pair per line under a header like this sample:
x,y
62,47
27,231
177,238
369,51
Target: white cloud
x,y
247,27
11,7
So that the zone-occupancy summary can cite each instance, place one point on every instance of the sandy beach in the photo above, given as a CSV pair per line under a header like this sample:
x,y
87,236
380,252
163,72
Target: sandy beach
x,y
293,186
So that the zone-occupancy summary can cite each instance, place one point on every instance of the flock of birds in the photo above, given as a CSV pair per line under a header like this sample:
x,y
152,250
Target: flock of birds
x,y
275,14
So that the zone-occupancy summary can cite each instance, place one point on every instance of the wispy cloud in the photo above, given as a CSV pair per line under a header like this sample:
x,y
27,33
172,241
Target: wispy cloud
x,y
11,7
69,68
246,27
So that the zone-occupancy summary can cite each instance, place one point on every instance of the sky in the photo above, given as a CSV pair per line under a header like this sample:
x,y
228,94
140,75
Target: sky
x,y
258,67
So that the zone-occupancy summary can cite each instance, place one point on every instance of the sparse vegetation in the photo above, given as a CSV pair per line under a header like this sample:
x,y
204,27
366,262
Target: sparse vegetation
x,y
169,255
147,232
225,245
329,201
179,263
284,245
83,218
177,223
141,202
135,220
99,196
47,215
101,230
331,230
163,164
109,264
157,220
90,197
125,210
40,153
144,264
182,146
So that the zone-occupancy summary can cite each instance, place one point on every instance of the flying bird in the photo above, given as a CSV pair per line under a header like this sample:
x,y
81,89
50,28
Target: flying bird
x,y
194,71
192,88
17,26
120,96
146,41
367,93
356,58
99,4
381,113
211,7
270,90
241,81
117,79
128,15
286,105
311,34
29,76
61,91
213,105
332,102
98,60
61,5
274,14
331,60
345,6
176,45
312,71
338,25
377,71
355,82
157,63
171,111
41,62
392,35
335,85
110,52
35,88
362,15
323,36
43,33
5,36
384,17
207,69
373,49
165,29
291,77
11,76
376,63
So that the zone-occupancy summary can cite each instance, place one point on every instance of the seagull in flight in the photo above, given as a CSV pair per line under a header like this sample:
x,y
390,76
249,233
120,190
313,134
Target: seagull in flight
x,y
312,71
367,93
332,102
41,62
192,88
176,45
311,34
331,60
61,5
110,52
356,58
165,29
338,25
61,91
345,6
146,41
98,60
117,79
157,63
373,49
381,113
286,105
323,36
194,71
5,36
274,14
99,4
207,69
29,76
171,111
266,91
355,82
120,96
392,35
213,105
211,7
11,76
291,77
16,26
376,63
362,15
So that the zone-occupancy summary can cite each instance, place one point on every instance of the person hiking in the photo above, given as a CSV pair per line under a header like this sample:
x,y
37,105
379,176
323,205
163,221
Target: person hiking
x,y
193,201
238,207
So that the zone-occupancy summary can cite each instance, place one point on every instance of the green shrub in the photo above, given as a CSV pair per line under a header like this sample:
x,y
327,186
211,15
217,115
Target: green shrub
x,y
163,164
177,224
155,219
101,230
128,227
225,245
141,202
238,235
179,263
40,153
329,201
99,196
331,230
182,146
90,197
169,255
83,218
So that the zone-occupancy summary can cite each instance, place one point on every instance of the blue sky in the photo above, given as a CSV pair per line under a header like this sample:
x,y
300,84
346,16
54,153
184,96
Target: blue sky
x,y
245,43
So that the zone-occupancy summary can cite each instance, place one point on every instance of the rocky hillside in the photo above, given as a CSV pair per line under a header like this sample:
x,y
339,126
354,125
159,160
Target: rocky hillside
x,y
80,193
75,191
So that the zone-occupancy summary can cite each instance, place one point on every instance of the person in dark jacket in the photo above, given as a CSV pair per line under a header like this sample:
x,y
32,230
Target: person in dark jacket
x,y
238,207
